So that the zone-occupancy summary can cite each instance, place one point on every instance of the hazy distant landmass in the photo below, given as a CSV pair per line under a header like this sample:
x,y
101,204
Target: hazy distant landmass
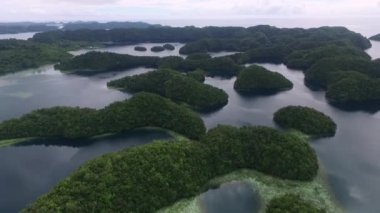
x,y
109,25
23,27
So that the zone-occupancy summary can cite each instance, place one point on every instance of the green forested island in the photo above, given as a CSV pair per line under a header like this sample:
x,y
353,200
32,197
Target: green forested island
x,y
157,49
140,48
307,120
256,80
168,47
151,177
175,86
93,63
17,55
142,110
322,53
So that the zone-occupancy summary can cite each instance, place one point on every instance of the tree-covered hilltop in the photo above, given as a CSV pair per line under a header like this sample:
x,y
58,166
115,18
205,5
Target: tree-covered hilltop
x,y
150,177
92,63
354,90
256,80
140,48
218,45
307,120
95,62
197,74
169,47
375,37
16,55
142,110
175,86
157,49
291,203
263,149
324,71
220,66
304,59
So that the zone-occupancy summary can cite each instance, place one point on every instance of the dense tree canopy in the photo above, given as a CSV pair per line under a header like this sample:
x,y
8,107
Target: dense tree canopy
x,y
197,74
290,203
140,48
217,45
95,62
150,177
354,90
304,59
157,49
168,47
16,55
175,86
264,149
141,179
323,72
198,56
258,80
143,110
306,120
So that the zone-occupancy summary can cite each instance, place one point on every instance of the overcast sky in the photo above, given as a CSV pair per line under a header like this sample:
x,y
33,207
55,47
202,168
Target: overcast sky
x,y
103,10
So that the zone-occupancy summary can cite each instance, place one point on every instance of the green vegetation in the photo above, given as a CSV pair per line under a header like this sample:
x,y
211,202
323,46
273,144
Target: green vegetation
x,y
95,62
168,47
197,74
175,86
355,90
151,177
304,59
143,110
198,56
218,45
269,188
262,149
258,80
16,55
140,179
157,49
375,37
221,38
290,203
140,49
220,66
323,72
307,120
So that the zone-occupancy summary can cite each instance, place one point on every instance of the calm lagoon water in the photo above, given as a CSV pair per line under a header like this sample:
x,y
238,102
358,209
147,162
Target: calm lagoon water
x,y
350,159
236,197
